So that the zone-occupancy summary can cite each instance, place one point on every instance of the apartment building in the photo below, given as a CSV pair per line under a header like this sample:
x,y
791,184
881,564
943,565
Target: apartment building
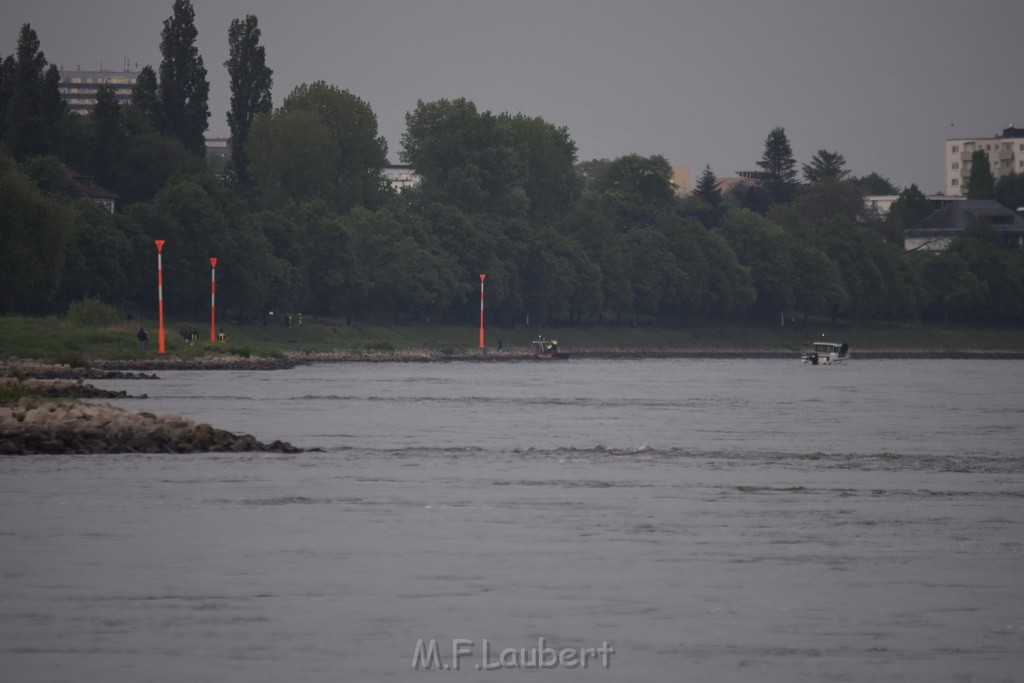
x,y
1005,156
78,88
401,176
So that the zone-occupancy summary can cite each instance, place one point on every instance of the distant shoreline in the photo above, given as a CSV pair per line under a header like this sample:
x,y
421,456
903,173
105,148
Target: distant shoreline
x,y
111,369
492,355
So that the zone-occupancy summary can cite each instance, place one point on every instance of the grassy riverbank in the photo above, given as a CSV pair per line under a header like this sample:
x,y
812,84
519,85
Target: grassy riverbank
x,y
57,340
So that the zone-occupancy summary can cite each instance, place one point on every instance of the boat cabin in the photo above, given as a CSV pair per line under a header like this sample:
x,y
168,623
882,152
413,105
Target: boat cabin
x,y
543,348
827,353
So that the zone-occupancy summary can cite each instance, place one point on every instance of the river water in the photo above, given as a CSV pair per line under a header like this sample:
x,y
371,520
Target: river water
x,y
684,520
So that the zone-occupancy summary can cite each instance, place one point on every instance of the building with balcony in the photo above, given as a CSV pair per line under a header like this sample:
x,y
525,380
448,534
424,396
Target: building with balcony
x,y
78,88
401,176
1005,156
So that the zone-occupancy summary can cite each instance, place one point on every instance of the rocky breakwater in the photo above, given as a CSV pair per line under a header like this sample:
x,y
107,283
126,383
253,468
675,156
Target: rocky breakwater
x,y
36,425
59,388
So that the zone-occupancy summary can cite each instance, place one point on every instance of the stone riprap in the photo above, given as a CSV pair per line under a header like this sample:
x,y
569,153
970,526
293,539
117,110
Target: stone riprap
x,y
60,388
35,425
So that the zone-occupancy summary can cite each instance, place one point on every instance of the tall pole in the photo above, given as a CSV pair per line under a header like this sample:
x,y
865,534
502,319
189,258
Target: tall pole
x,y
482,277
160,293
213,296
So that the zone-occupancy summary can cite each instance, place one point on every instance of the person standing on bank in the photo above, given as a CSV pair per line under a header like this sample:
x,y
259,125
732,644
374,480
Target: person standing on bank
x,y
143,338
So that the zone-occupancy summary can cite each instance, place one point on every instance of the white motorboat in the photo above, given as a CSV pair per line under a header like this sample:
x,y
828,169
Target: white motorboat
x,y
827,353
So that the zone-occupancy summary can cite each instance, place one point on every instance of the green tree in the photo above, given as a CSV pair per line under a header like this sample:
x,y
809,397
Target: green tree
x,y
49,177
1010,191
767,250
981,184
999,268
465,158
149,162
96,256
635,191
953,291
654,272
146,96
908,210
251,80
547,155
749,196
819,287
183,89
33,236
34,107
251,278
779,167
407,271
293,157
857,252
707,188
8,74
594,229
730,288
189,214
359,152
873,183
514,166
111,141
827,198
589,170
649,179
826,165
337,281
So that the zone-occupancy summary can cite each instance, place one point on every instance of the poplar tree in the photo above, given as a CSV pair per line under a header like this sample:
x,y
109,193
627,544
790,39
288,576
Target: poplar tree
x,y
184,90
251,80
31,95
779,168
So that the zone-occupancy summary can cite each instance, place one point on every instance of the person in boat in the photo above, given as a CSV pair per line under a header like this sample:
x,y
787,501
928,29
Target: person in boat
x,y
554,346
844,350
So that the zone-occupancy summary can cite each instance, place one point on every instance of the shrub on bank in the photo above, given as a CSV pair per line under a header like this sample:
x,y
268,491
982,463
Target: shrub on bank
x,y
91,312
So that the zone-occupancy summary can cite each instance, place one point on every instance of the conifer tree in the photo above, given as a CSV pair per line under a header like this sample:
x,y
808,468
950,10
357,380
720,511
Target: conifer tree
x,y
826,165
707,188
779,168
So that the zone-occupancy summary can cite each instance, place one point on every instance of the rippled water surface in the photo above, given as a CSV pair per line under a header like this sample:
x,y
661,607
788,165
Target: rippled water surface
x,y
710,520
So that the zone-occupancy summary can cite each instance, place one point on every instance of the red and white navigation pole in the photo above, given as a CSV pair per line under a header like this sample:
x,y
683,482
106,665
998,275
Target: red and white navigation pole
x,y
160,293
213,297
482,277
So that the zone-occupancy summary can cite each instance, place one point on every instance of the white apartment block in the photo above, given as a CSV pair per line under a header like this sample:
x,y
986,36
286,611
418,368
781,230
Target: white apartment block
x,y
78,88
1005,156
401,176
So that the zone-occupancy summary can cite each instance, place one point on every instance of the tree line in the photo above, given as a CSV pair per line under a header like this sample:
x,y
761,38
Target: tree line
x,y
302,219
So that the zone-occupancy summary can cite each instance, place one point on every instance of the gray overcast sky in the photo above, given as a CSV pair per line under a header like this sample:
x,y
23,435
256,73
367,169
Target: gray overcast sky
x,y
884,82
